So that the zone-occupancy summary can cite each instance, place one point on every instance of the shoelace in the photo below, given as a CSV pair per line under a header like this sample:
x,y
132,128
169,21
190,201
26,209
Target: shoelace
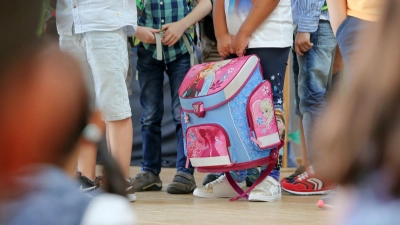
x,y
303,176
217,181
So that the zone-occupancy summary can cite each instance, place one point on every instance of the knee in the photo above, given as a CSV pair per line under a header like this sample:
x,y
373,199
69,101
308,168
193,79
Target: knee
x,y
151,119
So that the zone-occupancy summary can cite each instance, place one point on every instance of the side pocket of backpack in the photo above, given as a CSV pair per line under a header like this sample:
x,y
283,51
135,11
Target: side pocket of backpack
x,y
208,145
261,117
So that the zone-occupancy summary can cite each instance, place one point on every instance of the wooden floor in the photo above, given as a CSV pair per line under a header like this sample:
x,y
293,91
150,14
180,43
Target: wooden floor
x,y
162,208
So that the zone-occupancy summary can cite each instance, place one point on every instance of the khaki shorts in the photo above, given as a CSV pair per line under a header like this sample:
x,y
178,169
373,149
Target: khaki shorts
x,y
103,56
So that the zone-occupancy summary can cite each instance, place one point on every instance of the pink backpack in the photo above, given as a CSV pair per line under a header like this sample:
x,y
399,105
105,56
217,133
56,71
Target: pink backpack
x,y
228,118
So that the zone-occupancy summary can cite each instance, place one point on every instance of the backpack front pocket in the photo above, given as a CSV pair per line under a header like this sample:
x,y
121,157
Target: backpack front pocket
x,y
208,145
261,117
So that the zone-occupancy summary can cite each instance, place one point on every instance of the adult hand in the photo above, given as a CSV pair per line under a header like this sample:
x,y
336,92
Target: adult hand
x,y
240,43
173,32
302,43
224,45
146,34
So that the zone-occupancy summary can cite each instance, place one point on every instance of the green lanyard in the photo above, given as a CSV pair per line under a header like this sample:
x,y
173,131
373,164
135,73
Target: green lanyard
x,y
325,7
45,8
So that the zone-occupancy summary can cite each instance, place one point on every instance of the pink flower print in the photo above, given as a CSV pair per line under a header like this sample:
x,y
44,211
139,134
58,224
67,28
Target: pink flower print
x,y
265,90
191,75
216,85
231,70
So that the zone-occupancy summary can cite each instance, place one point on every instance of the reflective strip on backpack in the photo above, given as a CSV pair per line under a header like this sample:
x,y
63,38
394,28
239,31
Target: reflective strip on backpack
x,y
190,31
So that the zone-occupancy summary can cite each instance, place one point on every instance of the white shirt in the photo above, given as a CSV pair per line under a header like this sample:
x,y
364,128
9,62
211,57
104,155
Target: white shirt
x,y
95,15
276,31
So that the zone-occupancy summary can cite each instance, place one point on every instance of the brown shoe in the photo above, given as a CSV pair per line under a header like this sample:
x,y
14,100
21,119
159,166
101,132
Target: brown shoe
x,y
146,181
183,183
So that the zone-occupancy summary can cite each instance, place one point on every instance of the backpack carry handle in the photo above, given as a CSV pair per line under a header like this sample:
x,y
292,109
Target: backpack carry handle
x,y
244,194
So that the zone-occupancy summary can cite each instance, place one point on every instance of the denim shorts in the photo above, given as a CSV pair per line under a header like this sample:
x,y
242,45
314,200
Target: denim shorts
x,y
103,56
346,36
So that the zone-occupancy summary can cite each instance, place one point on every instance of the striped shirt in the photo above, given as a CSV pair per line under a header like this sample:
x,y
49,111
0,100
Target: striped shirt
x,y
156,13
307,13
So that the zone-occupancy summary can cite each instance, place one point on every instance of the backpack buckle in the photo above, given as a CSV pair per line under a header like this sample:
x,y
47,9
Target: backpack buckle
x,y
198,108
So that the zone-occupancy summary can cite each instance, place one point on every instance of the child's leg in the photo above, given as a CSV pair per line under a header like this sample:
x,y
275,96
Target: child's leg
x,y
87,155
315,78
176,71
105,49
273,63
275,173
239,175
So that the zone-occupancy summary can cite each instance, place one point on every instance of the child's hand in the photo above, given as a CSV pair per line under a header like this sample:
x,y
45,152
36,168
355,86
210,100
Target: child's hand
x,y
173,33
146,34
240,43
224,45
302,43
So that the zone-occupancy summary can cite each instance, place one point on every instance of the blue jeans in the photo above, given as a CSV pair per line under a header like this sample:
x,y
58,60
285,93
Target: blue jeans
x,y
315,75
151,78
346,37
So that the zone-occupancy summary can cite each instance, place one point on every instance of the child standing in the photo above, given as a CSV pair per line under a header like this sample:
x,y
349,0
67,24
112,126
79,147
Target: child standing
x,y
95,33
168,19
315,47
263,28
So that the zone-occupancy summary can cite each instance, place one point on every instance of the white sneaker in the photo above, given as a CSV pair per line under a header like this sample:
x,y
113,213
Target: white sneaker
x,y
268,190
219,188
130,194
131,197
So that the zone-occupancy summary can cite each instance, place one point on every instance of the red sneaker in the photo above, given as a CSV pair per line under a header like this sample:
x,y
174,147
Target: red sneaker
x,y
307,183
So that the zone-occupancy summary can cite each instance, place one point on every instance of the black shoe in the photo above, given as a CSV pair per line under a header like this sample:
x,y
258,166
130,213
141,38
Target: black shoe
x,y
87,185
183,183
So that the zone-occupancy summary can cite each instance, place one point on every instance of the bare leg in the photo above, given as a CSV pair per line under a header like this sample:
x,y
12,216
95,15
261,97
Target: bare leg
x,y
87,161
108,140
120,136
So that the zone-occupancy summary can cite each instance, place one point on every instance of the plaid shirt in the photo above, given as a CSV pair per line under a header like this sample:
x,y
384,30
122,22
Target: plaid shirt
x,y
159,12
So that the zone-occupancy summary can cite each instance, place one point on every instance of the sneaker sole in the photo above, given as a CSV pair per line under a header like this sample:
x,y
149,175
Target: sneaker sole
x,y
309,192
152,187
175,190
212,195
263,198
131,197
